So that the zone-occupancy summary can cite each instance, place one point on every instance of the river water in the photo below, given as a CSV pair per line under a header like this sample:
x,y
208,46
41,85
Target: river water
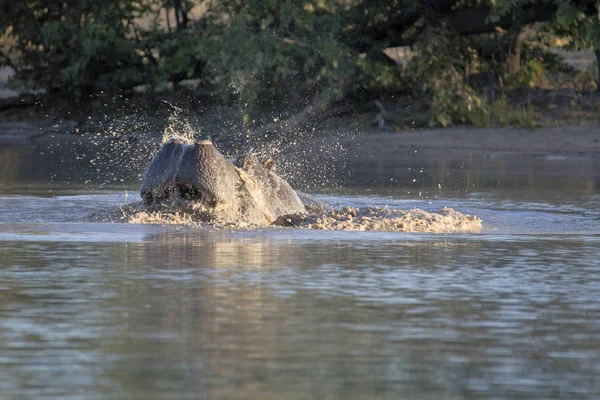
x,y
126,311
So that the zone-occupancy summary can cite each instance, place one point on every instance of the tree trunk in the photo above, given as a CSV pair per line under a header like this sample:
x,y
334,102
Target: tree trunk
x,y
597,52
513,59
168,18
180,14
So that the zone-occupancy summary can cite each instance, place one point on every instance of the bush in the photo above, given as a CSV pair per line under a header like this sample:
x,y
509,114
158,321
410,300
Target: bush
x,y
499,113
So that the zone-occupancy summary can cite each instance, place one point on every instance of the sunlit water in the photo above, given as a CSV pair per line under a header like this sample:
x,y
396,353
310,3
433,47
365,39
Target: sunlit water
x,y
126,311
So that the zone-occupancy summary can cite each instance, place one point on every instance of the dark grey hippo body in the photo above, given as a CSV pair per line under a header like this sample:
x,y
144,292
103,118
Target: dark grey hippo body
x,y
244,190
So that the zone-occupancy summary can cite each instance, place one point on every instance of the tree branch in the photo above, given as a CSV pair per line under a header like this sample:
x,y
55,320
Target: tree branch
x,y
465,21
392,30
473,21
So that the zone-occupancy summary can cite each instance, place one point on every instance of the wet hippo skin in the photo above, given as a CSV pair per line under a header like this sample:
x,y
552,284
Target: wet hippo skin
x,y
242,190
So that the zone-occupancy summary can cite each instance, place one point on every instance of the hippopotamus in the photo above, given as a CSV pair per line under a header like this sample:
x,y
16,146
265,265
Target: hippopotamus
x,y
237,190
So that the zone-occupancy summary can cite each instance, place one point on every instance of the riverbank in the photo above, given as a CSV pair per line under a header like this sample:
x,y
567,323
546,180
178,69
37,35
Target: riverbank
x,y
568,140
566,124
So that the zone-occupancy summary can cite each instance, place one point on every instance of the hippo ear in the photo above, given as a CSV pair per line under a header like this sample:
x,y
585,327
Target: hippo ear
x,y
247,162
270,165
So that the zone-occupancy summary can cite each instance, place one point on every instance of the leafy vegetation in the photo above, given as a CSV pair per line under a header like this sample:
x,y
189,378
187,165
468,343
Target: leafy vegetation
x,y
281,54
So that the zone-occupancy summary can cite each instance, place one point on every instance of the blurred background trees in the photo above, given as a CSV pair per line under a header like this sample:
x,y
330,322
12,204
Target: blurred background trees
x,y
451,61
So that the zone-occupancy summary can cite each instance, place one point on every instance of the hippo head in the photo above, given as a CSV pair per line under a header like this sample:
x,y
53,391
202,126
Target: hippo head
x,y
244,190
190,171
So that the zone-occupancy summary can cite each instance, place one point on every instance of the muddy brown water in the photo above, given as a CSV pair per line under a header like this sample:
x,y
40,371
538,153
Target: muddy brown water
x,y
126,311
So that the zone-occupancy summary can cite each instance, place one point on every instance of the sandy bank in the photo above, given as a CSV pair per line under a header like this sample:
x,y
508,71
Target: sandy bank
x,y
568,140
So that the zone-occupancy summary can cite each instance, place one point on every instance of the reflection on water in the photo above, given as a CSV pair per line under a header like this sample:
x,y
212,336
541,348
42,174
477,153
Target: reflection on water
x,y
118,311
100,162
467,171
188,315
94,161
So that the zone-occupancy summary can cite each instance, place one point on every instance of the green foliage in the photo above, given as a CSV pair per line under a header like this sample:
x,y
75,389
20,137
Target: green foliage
x,y
77,47
498,113
439,75
177,57
578,20
582,28
380,77
268,56
275,53
258,53
527,76
69,46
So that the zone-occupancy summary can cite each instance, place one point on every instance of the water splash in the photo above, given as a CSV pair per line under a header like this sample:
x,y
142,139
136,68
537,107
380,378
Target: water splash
x,y
311,158
383,219
179,127
113,151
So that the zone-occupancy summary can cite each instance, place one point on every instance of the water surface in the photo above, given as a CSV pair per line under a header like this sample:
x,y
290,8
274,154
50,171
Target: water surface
x,y
125,311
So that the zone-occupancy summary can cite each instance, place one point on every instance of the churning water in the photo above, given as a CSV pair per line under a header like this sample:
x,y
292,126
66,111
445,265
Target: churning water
x,y
115,311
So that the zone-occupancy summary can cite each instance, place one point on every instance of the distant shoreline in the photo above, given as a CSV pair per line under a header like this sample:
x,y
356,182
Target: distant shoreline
x,y
573,140
568,140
